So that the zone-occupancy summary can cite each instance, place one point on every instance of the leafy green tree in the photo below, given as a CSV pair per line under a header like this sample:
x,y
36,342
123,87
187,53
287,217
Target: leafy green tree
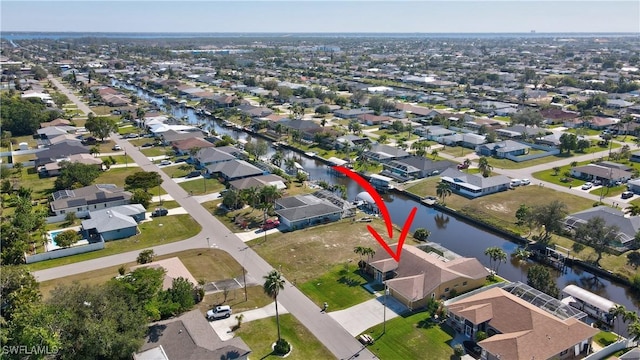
x,y
144,180
421,234
597,234
67,238
182,292
528,117
146,256
550,217
97,322
74,175
523,215
273,284
568,142
257,148
15,243
141,197
323,110
232,199
101,126
21,116
539,277
633,259
376,103
18,287
267,197
143,283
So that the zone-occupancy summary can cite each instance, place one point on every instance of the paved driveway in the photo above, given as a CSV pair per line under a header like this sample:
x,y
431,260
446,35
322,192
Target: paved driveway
x,y
223,327
359,318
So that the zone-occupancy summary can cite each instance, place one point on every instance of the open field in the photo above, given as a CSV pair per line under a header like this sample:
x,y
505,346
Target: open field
x,y
260,334
304,254
173,228
202,186
342,287
457,151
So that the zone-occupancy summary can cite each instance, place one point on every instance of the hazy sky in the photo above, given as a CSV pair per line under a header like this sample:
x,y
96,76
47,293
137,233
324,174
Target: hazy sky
x,y
321,16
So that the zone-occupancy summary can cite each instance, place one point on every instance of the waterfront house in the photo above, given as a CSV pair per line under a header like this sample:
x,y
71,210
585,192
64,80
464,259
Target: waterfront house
x,y
628,226
414,167
185,146
383,153
258,182
474,185
521,323
300,211
214,155
234,169
420,276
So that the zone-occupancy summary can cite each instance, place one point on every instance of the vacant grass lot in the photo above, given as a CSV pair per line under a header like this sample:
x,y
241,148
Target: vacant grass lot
x,y
202,186
606,191
256,298
342,287
457,151
176,171
260,334
116,176
412,337
174,228
303,254
153,151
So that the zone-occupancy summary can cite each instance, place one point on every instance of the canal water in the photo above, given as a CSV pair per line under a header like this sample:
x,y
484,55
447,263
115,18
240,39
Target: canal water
x,y
455,234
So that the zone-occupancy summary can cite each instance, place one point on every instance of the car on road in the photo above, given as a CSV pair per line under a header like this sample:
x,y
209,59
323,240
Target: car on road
x,y
194,173
271,224
219,312
587,186
116,147
525,182
160,212
165,162
627,194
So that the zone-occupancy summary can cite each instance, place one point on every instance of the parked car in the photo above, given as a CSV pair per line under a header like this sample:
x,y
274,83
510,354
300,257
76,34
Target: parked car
x,y
525,182
165,162
587,186
147,144
219,312
132,136
271,224
194,173
116,147
627,194
516,182
462,166
597,182
160,212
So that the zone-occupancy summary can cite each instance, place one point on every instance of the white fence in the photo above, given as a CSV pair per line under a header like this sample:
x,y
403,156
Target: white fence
x,y
64,252
610,349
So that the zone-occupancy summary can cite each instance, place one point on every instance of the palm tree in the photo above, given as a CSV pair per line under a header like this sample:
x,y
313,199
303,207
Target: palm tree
x,y
634,331
95,150
250,196
618,312
443,190
484,166
521,254
323,122
268,195
276,158
633,210
434,153
496,256
272,285
290,164
467,163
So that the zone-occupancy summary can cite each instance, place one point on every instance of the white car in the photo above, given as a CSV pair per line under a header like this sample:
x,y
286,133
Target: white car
x,y
516,182
587,186
525,182
219,312
165,162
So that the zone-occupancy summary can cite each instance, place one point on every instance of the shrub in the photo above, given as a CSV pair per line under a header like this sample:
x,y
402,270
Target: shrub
x,y
481,335
282,347
458,350
421,234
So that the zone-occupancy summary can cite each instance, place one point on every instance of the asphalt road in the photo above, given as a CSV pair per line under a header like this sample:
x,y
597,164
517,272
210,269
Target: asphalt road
x,y
63,89
326,329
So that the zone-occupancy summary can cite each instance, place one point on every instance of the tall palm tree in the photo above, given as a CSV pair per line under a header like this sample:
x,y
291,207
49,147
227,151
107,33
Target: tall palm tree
x,y
434,153
484,166
496,257
633,210
618,312
250,196
467,163
443,190
634,331
272,285
290,164
277,158
521,254
268,195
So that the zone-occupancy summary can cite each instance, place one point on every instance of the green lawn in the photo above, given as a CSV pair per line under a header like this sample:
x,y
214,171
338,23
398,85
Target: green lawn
x,y
42,187
128,129
412,337
605,338
340,288
101,110
116,176
556,178
173,228
198,186
606,191
260,334
457,151
153,151
176,171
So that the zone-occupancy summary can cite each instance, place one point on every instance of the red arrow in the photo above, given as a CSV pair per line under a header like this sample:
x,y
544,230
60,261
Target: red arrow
x,y
383,211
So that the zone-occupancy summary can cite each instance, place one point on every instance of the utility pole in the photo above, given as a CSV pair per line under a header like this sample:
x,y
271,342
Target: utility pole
x,y
384,310
244,282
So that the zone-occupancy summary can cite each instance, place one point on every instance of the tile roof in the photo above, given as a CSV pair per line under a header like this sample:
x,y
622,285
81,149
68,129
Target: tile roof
x,y
88,195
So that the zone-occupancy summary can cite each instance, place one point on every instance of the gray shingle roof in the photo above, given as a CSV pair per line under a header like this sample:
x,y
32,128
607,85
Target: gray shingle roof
x,y
628,226
111,219
235,169
473,180
302,207
88,195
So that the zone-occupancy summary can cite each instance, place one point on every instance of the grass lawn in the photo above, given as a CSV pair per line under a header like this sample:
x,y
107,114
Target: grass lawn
x,y
42,187
197,187
105,147
153,151
16,140
609,191
116,176
177,171
412,337
303,254
318,150
256,298
101,110
605,338
165,204
509,164
457,151
260,334
174,228
548,175
341,287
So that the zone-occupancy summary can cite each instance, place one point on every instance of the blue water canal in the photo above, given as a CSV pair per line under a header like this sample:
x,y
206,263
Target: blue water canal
x,y
455,234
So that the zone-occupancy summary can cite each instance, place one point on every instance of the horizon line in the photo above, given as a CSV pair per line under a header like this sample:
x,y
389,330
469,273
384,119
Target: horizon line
x,y
309,32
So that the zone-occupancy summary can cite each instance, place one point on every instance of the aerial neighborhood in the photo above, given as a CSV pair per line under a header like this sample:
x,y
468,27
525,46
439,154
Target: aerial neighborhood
x,y
181,197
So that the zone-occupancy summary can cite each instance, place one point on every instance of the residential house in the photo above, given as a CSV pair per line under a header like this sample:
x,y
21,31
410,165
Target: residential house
x,y
600,123
383,153
607,175
185,146
628,226
420,276
474,185
518,329
59,152
225,101
50,132
416,110
169,136
503,148
214,155
574,123
255,111
85,199
552,139
115,223
300,211
557,116
635,156
234,169
520,131
307,128
433,132
352,113
618,104
471,141
372,119
258,182
53,168
413,167
476,123
352,141
189,337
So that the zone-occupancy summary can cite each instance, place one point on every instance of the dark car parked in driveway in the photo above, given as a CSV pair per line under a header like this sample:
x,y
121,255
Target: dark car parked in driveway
x,y
160,212
193,174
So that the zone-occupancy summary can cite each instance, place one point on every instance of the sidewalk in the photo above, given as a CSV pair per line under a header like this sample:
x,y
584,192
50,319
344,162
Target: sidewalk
x,y
223,327
254,234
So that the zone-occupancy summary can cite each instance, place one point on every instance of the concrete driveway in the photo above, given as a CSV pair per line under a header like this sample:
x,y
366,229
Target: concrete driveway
x,y
359,318
223,327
